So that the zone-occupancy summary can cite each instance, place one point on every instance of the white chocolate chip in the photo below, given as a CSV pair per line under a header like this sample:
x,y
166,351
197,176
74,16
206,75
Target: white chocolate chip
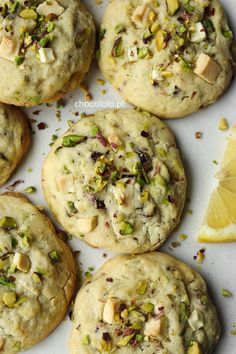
x,y
65,184
196,320
198,33
87,224
110,309
206,68
50,7
154,327
21,261
157,74
9,48
140,15
46,55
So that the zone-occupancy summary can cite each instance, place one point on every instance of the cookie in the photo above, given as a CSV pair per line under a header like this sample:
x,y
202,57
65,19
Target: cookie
x,y
46,48
116,180
14,140
37,275
150,303
169,57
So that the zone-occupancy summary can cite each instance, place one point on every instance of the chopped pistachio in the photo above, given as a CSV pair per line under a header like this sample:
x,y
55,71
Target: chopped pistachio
x,y
183,237
125,340
54,255
28,14
19,59
172,6
20,301
12,269
142,287
223,124
139,337
73,140
126,228
194,348
9,299
86,339
227,34
8,223
143,52
36,278
81,38
226,293
147,307
30,190
160,39
137,325
118,48
72,207
6,282
160,181
120,28
137,315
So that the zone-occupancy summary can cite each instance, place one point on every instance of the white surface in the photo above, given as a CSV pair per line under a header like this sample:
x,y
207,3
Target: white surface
x,y
219,266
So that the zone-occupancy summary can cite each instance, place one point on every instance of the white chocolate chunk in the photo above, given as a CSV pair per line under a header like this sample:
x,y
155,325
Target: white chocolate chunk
x,y
198,33
65,184
9,48
140,15
87,224
50,7
21,261
196,320
132,54
46,55
155,327
157,74
22,25
206,68
110,309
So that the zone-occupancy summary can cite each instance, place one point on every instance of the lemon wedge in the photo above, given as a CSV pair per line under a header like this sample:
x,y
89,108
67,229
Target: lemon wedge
x,y
219,224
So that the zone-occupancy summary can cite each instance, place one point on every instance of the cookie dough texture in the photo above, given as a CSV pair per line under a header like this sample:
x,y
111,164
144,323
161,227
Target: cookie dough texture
x,y
37,275
170,58
48,50
116,180
149,303
14,140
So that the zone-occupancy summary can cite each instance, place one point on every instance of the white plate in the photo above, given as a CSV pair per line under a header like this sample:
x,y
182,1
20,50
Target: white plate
x,y
219,266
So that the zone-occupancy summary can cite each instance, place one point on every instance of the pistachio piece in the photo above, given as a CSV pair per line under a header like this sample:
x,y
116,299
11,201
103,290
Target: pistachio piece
x,y
194,348
126,228
125,340
207,68
110,309
46,55
28,14
9,299
160,39
114,141
223,124
140,15
6,282
55,257
118,48
50,7
87,224
81,38
73,140
9,48
172,6
142,287
86,340
8,223
154,327
137,315
147,307
21,261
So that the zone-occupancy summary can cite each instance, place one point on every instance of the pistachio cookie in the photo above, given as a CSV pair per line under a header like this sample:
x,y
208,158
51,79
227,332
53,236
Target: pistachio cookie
x,y
169,57
149,303
14,140
45,49
37,275
116,180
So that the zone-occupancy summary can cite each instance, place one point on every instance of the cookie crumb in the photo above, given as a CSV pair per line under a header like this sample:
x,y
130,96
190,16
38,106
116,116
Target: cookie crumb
x,y
198,135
